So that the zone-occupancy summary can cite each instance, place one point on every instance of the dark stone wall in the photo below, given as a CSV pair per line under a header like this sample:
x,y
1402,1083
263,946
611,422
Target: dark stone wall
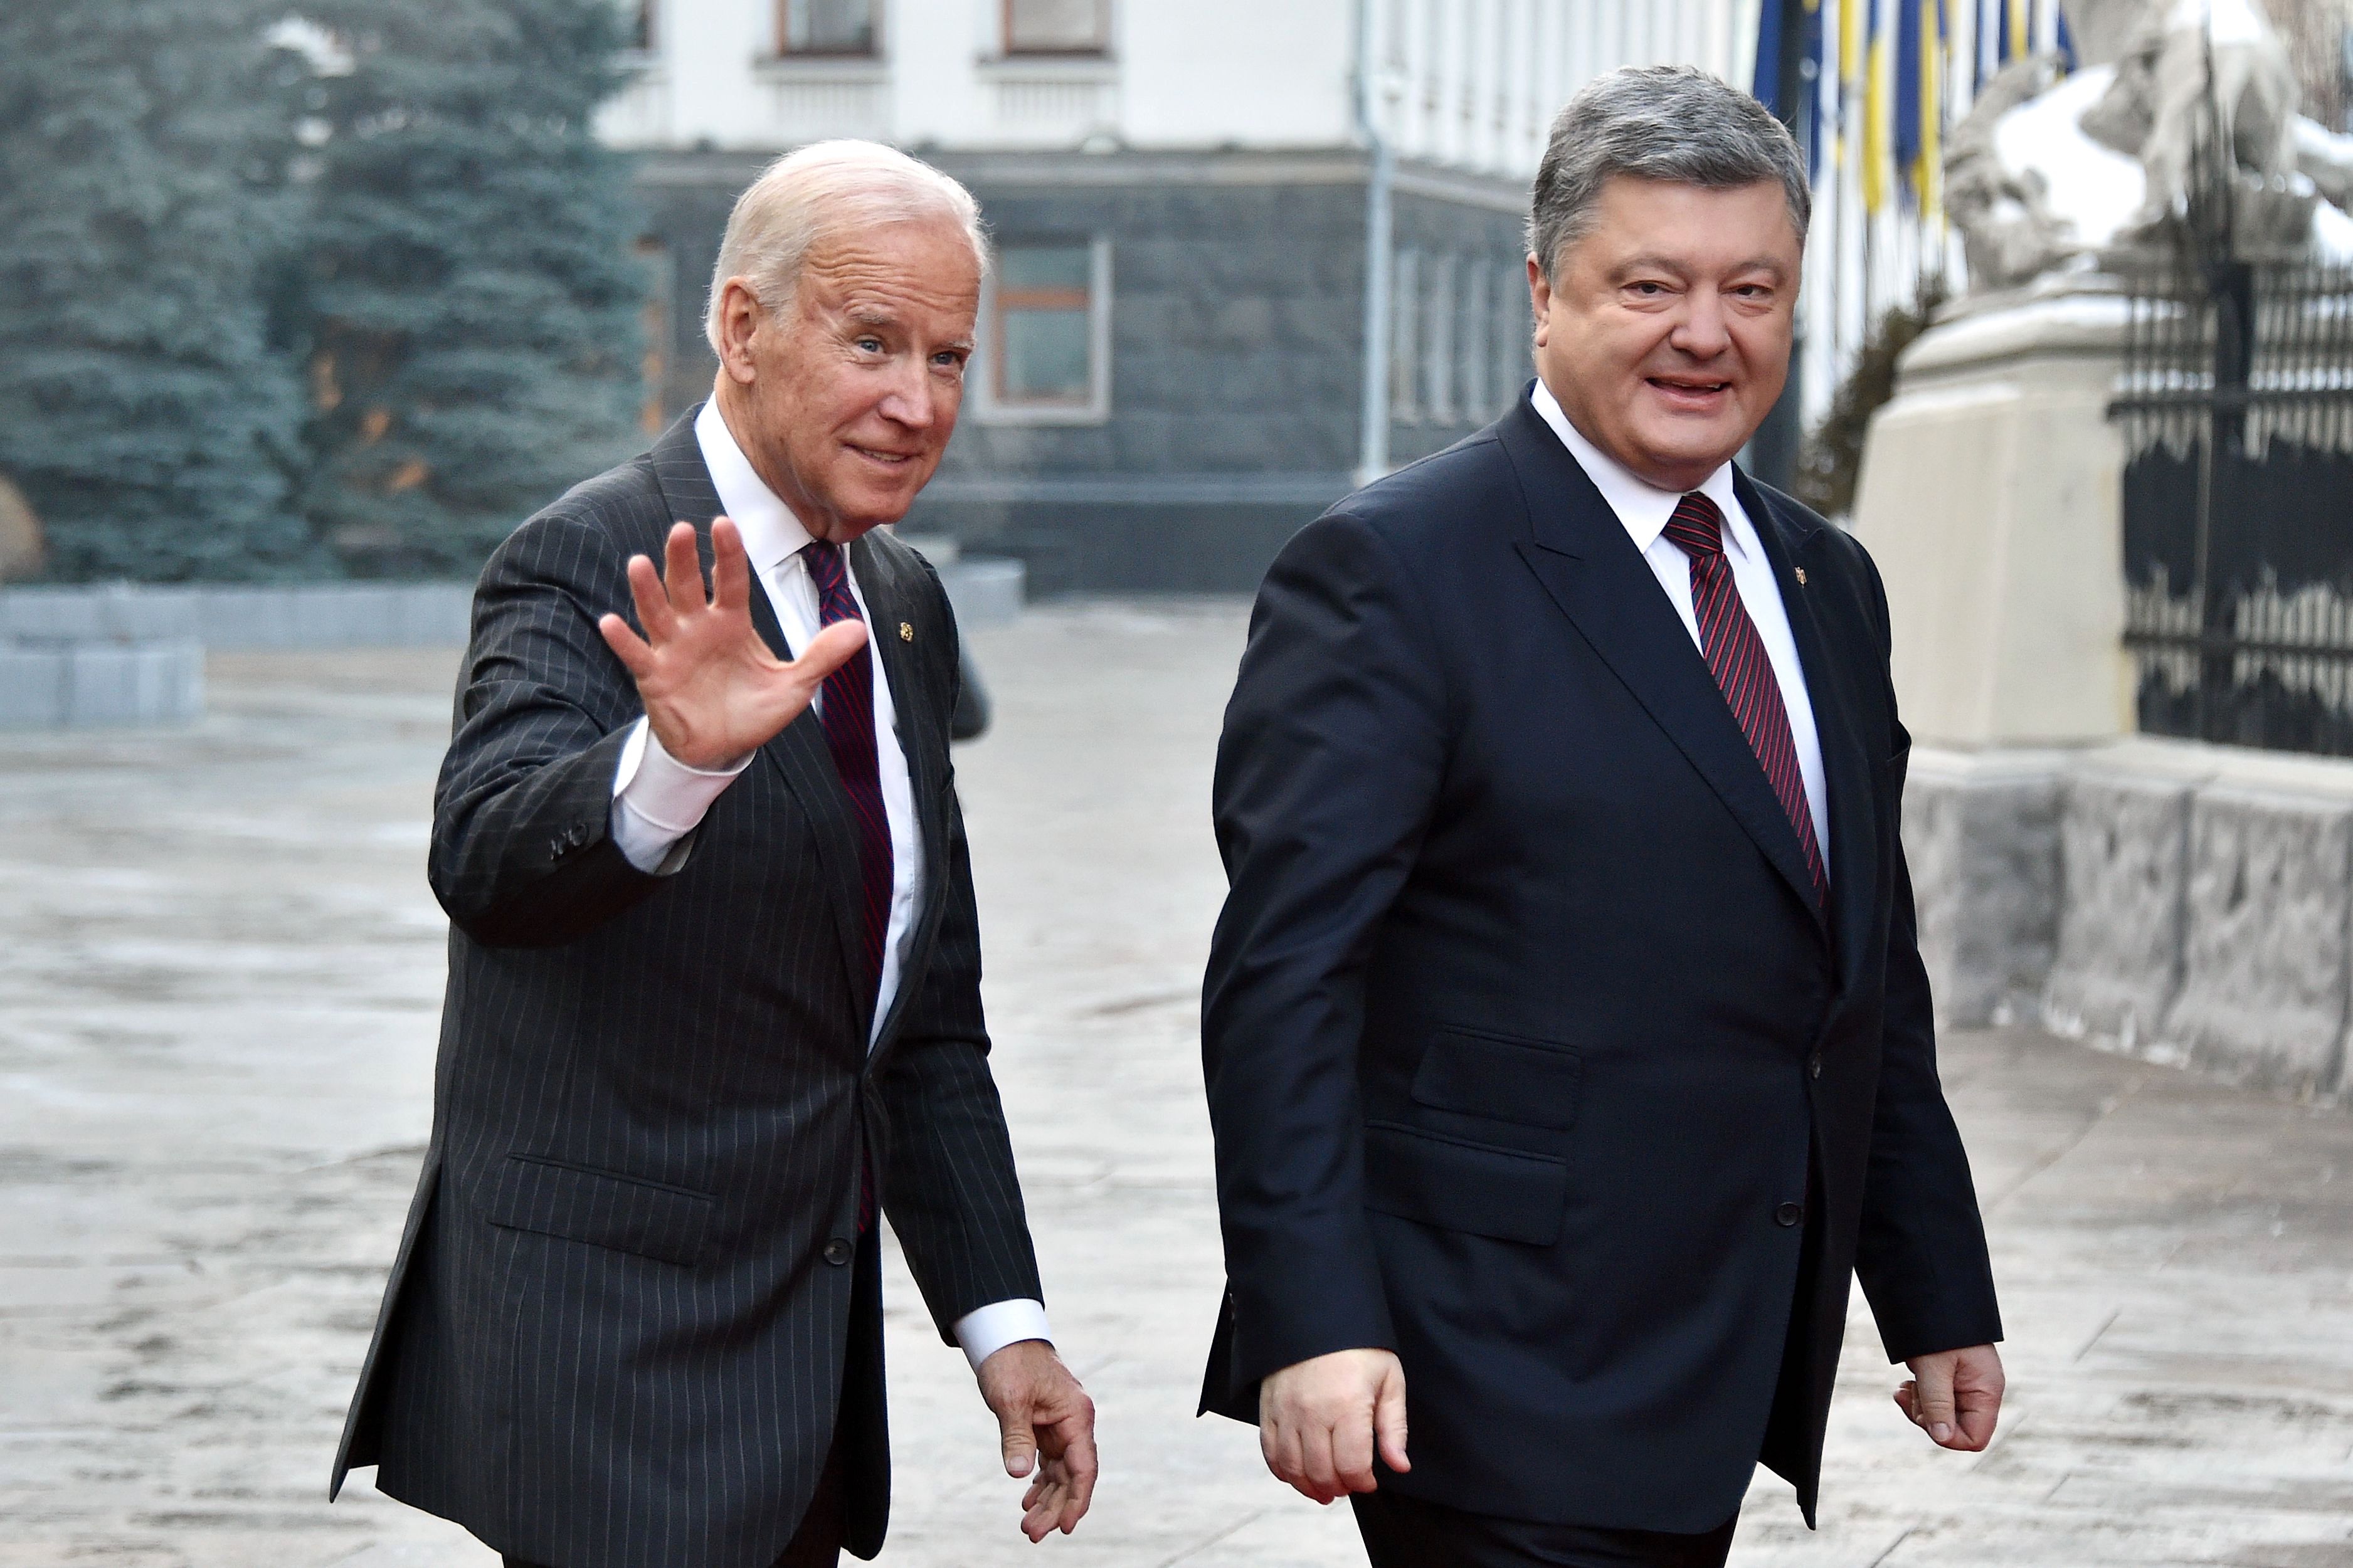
x,y
1236,327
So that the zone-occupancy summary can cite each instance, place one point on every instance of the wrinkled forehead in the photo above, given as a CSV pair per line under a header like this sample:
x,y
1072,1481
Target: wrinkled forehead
x,y
1699,229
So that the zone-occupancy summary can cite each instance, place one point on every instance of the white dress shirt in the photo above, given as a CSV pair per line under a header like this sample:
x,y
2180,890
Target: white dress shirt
x,y
1643,509
658,800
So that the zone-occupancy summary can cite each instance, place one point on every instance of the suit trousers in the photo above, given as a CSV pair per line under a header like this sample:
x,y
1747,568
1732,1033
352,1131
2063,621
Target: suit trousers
x,y
1406,1532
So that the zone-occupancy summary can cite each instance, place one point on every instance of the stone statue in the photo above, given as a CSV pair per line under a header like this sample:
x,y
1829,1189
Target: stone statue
x,y
2049,175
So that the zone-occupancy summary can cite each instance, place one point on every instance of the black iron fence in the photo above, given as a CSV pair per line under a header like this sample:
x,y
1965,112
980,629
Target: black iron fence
x,y
2237,411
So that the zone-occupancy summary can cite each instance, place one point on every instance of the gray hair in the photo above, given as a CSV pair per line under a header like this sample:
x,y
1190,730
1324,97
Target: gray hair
x,y
1674,123
828,188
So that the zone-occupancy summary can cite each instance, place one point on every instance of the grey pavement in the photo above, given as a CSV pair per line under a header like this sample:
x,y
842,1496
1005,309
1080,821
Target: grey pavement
x,y
219,974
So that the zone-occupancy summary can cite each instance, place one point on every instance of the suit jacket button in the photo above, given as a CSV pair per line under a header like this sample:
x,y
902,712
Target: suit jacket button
x,y
838,1252
1814,1065
1786,1214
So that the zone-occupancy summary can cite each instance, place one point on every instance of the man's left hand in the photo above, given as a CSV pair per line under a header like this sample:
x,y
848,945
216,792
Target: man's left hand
x,y
1050,1426
1955,1396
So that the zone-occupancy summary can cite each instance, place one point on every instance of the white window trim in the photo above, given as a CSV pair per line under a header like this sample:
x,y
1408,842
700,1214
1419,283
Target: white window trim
x,y
1096,409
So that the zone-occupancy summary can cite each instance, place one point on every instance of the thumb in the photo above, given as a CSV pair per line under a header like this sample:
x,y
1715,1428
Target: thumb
x,y
1933,1401
1020,1443
1388,1418
829,651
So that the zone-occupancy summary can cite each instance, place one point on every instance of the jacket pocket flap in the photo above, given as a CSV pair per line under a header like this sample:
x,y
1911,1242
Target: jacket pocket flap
x,y
1506,1080
1445,1182
627,1214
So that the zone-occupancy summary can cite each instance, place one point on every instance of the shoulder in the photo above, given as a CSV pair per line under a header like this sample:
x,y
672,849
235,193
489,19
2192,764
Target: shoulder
x,y
1416,516
593,528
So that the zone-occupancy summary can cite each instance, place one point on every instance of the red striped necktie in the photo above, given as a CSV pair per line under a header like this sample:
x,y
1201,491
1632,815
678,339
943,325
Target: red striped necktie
x,y
846,716
1736,656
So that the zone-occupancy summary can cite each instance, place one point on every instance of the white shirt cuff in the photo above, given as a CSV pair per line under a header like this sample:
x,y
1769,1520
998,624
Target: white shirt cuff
x,y
658,800
987,1330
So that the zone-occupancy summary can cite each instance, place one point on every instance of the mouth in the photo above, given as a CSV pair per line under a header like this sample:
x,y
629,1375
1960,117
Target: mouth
x,y
1690,391
888,461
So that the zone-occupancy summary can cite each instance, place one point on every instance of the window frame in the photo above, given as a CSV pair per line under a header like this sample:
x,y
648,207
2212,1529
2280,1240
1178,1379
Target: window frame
x,y
877,13
1100,49
985,389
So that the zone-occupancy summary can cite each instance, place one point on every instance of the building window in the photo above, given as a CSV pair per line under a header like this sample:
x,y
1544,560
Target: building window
x,y
1057,27
1438,340
827,27
1047,338
1405,336
1474,373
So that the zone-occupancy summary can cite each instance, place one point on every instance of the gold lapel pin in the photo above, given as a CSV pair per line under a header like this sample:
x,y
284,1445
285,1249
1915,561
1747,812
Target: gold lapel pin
x,y
1801,576
906,632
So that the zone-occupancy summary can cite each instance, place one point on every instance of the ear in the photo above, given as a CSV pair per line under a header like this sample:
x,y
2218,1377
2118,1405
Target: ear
x,y
1539,297
740,317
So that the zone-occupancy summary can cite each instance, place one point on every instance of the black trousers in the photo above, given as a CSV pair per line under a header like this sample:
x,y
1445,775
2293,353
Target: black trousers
x,y
1406,1532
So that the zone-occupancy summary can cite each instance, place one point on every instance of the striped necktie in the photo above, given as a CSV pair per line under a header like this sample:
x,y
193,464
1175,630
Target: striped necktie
x,y
1736,656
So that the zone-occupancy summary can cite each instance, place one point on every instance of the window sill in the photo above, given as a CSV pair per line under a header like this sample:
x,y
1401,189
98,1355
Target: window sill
x,y
1072,68
1065,414
821,67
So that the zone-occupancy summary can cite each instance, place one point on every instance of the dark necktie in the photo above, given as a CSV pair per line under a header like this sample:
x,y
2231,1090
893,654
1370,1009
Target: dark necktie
x,y
847,715
1737,657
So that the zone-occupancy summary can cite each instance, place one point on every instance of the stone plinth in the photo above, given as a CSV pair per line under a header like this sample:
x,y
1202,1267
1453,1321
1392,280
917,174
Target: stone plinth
x,y
1982,835
60,685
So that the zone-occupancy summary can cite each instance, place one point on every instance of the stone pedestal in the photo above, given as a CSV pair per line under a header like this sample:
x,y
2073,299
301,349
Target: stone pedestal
x,y
1991,498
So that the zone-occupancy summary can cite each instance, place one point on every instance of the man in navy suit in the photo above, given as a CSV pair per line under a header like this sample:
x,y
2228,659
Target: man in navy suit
x,y
1566,1038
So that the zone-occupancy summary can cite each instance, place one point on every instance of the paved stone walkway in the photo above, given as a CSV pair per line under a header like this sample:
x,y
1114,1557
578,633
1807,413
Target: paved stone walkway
x,y
219,972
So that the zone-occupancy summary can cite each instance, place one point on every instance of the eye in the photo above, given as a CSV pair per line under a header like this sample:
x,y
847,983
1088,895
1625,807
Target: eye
x,y
868,344
1648,289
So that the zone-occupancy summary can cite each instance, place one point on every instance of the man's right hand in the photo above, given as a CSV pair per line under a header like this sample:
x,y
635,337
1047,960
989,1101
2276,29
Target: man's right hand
x,y
1318,1421
712,691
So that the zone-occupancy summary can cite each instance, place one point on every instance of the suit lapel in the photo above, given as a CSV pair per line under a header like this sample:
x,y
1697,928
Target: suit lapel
x,y
800,752
1580,552
886,582
1846,766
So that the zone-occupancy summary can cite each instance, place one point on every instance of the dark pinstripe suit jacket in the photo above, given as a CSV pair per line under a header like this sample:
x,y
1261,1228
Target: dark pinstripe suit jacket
x,y
617,1332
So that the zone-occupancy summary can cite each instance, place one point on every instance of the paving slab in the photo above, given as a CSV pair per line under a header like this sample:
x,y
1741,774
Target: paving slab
x,y
220,971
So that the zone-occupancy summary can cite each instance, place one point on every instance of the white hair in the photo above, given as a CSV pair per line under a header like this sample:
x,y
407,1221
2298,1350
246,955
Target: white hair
x,y
824,189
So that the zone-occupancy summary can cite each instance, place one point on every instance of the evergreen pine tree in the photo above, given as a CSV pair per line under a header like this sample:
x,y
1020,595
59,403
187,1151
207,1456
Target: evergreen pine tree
x,y
141,411
469,292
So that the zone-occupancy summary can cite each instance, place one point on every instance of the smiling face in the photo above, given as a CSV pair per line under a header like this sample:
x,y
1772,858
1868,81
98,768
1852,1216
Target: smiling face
x,y
1664,331
844,397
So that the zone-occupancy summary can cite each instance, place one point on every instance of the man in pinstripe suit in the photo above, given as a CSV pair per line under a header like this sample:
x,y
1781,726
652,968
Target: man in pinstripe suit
x,y
715,968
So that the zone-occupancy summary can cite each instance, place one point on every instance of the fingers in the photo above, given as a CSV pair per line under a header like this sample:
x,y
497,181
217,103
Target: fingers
x,y
631,649
1932,1396
1319,1477
731,569
1020,1443
1079,1462
1351,1454
1389,1420
653,609
683,571
828,651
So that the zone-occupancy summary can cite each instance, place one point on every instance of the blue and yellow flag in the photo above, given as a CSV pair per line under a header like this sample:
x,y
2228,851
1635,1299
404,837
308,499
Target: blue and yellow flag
x,y
1879,106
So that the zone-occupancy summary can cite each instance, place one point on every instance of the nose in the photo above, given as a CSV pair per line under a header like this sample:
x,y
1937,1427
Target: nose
x,y
1703,330
911,398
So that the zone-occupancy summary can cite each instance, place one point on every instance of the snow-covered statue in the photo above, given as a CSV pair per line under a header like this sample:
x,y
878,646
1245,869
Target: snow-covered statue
x,y
2051,175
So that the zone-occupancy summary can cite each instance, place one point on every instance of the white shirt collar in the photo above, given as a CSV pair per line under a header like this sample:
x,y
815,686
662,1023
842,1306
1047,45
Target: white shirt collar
x,y
773,536
1641,507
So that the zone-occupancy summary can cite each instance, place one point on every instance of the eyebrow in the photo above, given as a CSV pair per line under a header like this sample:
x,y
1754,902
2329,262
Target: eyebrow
x,y
1653,263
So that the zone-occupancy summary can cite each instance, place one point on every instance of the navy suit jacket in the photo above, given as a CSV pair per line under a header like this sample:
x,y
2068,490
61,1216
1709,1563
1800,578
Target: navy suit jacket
x,y
1530,1056
630,1315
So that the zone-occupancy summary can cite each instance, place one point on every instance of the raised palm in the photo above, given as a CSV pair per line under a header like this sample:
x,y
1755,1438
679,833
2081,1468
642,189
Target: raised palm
x,y
712,691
